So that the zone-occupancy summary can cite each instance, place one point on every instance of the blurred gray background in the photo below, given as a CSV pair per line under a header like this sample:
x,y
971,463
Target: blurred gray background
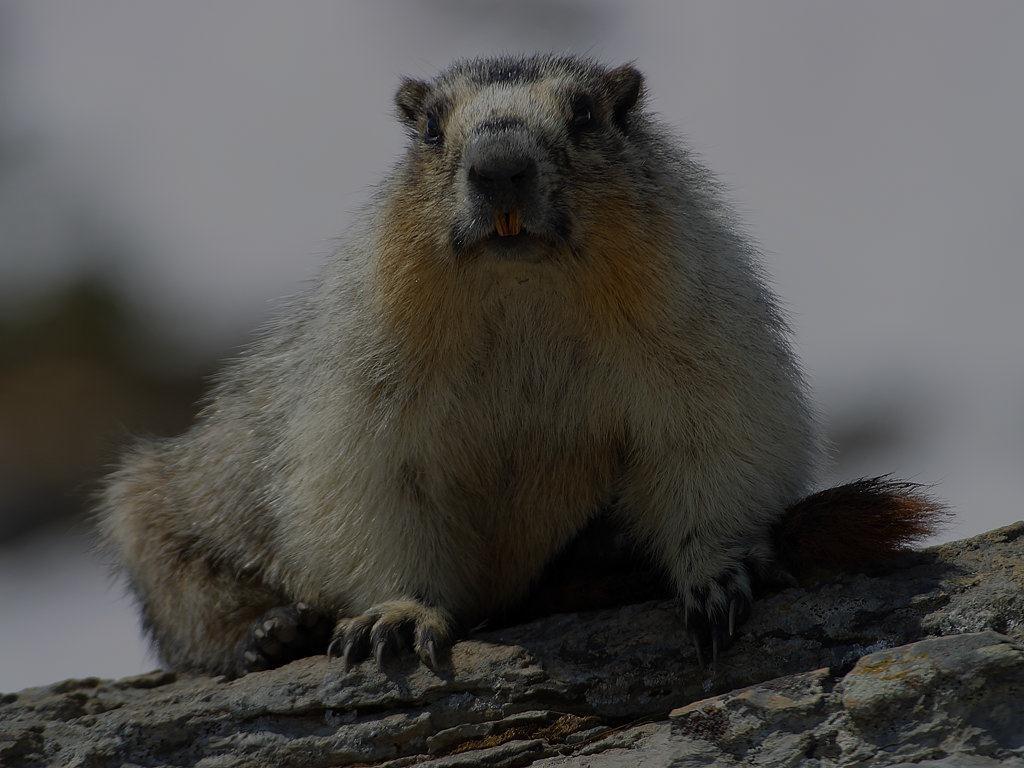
x,y
166,169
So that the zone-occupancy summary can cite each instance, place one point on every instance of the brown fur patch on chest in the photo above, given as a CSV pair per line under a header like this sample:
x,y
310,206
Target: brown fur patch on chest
x,y
624,283
615,286
422,294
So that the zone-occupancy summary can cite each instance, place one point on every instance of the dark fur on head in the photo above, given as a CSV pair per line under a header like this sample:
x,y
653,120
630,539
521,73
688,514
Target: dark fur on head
x,y
579,124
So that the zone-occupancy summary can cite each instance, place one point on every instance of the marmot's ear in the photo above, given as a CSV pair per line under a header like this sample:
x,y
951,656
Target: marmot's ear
x,y
626,88
409,99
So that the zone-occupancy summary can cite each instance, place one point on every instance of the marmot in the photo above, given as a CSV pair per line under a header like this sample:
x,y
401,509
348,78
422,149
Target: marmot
x,y
546,310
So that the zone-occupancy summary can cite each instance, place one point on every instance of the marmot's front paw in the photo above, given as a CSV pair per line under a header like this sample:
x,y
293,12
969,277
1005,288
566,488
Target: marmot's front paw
x,y
713,611
392,629
283,634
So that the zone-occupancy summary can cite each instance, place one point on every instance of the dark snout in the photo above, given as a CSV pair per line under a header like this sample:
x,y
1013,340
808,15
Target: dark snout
x,y
504,177
502,170
509,191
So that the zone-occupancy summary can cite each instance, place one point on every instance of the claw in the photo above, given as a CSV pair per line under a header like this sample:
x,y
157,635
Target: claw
x,y
430,648
346,656
732,618
378,651
714,647
331,647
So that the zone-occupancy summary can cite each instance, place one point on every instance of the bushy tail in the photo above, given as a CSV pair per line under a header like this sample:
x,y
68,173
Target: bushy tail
x,y
855,524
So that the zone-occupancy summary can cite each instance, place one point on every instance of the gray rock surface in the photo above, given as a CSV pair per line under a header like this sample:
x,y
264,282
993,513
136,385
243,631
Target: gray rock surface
x,y
919,662
947,701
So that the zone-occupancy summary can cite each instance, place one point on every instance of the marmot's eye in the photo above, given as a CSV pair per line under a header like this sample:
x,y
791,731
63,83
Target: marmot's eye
x,y
582,113
432,134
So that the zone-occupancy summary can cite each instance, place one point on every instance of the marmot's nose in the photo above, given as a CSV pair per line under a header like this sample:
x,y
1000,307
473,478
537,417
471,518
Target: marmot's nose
x,y
504,179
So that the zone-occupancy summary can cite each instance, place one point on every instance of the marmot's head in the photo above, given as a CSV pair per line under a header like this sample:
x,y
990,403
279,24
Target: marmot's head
x,y
521,157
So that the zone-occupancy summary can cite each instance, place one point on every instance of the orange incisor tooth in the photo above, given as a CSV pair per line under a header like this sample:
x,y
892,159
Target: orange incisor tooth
x,y
507,223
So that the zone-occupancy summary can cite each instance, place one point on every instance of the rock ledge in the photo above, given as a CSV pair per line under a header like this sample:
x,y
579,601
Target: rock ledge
x,y
919,662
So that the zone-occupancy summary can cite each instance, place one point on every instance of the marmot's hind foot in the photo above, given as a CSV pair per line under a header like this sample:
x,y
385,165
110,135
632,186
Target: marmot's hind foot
x,y
391,630
281,635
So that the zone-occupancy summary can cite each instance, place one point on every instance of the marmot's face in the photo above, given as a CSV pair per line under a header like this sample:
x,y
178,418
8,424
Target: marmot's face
x,y
520,158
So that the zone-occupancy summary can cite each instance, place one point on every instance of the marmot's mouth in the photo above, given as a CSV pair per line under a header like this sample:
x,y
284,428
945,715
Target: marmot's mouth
x,y
508,223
